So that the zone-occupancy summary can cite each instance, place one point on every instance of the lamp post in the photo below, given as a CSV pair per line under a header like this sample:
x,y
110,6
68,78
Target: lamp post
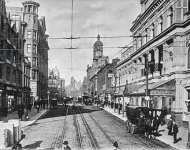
x,y
48,99
115,76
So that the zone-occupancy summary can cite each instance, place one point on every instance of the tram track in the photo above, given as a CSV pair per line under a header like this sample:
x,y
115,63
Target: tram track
x,y
78,131
58,139
93,141
102,130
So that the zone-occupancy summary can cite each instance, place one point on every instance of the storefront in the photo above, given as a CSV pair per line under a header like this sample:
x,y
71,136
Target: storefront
x,y
162,94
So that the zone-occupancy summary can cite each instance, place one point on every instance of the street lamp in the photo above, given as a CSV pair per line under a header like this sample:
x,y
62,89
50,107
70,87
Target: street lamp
x,y
115,76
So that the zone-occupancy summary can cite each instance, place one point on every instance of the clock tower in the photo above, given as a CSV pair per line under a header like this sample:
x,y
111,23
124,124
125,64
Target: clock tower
x,y
97,49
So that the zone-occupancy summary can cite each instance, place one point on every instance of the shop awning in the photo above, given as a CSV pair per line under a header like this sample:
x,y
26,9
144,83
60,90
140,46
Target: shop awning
x,y
165,88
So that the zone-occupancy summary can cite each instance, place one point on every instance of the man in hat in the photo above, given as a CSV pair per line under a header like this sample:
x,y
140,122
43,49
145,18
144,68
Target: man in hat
x,y
116,146
66,145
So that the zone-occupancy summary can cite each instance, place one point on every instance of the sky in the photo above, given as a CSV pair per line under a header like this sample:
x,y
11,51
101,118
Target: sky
x,y
91,17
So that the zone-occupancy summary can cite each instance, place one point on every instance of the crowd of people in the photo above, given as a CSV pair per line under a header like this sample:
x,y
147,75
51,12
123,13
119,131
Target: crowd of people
x,y
24,110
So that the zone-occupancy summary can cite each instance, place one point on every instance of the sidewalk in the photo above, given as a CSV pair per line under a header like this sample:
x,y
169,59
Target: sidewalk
x,y
33,117
183,132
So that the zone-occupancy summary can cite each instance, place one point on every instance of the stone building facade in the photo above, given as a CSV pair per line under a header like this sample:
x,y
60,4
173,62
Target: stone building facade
x,y
16,16
105,91
161,40
11,56
56,85
35,47
98,61
30,16
42,59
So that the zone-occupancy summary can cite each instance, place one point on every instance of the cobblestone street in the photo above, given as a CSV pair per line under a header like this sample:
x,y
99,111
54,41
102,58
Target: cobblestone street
x,y
84,128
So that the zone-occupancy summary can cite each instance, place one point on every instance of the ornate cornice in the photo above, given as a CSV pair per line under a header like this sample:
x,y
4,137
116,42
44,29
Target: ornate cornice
x,y
141,18
161,35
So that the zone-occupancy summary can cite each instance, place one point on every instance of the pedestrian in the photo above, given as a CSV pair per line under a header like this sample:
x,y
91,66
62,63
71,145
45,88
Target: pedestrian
x,y
155,125
37,107
116,146
175,131
148,129
170,126
20,111
66,145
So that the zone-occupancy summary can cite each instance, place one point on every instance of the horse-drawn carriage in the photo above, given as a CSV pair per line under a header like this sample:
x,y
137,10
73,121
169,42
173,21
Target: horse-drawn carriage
x,y
143,119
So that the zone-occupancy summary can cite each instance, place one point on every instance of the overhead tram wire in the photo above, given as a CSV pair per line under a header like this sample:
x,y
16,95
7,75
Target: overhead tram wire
x,y
71,38
93,37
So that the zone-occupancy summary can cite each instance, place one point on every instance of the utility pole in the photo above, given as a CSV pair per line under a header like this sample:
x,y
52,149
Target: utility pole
x,y
115,76
147,98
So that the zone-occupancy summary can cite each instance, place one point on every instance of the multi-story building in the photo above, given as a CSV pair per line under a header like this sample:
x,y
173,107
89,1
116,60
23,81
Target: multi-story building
x,y
84,87
30,16
11,52
98,61
16,15
35,47
161,49
105,91
42,59
74,88
56,84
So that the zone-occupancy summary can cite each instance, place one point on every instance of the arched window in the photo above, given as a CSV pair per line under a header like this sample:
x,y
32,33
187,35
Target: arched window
x,y
188,65
152,32
170,17
160,25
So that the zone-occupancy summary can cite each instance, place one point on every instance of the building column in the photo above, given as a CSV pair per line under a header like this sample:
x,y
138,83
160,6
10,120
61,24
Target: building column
x,y
177,104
